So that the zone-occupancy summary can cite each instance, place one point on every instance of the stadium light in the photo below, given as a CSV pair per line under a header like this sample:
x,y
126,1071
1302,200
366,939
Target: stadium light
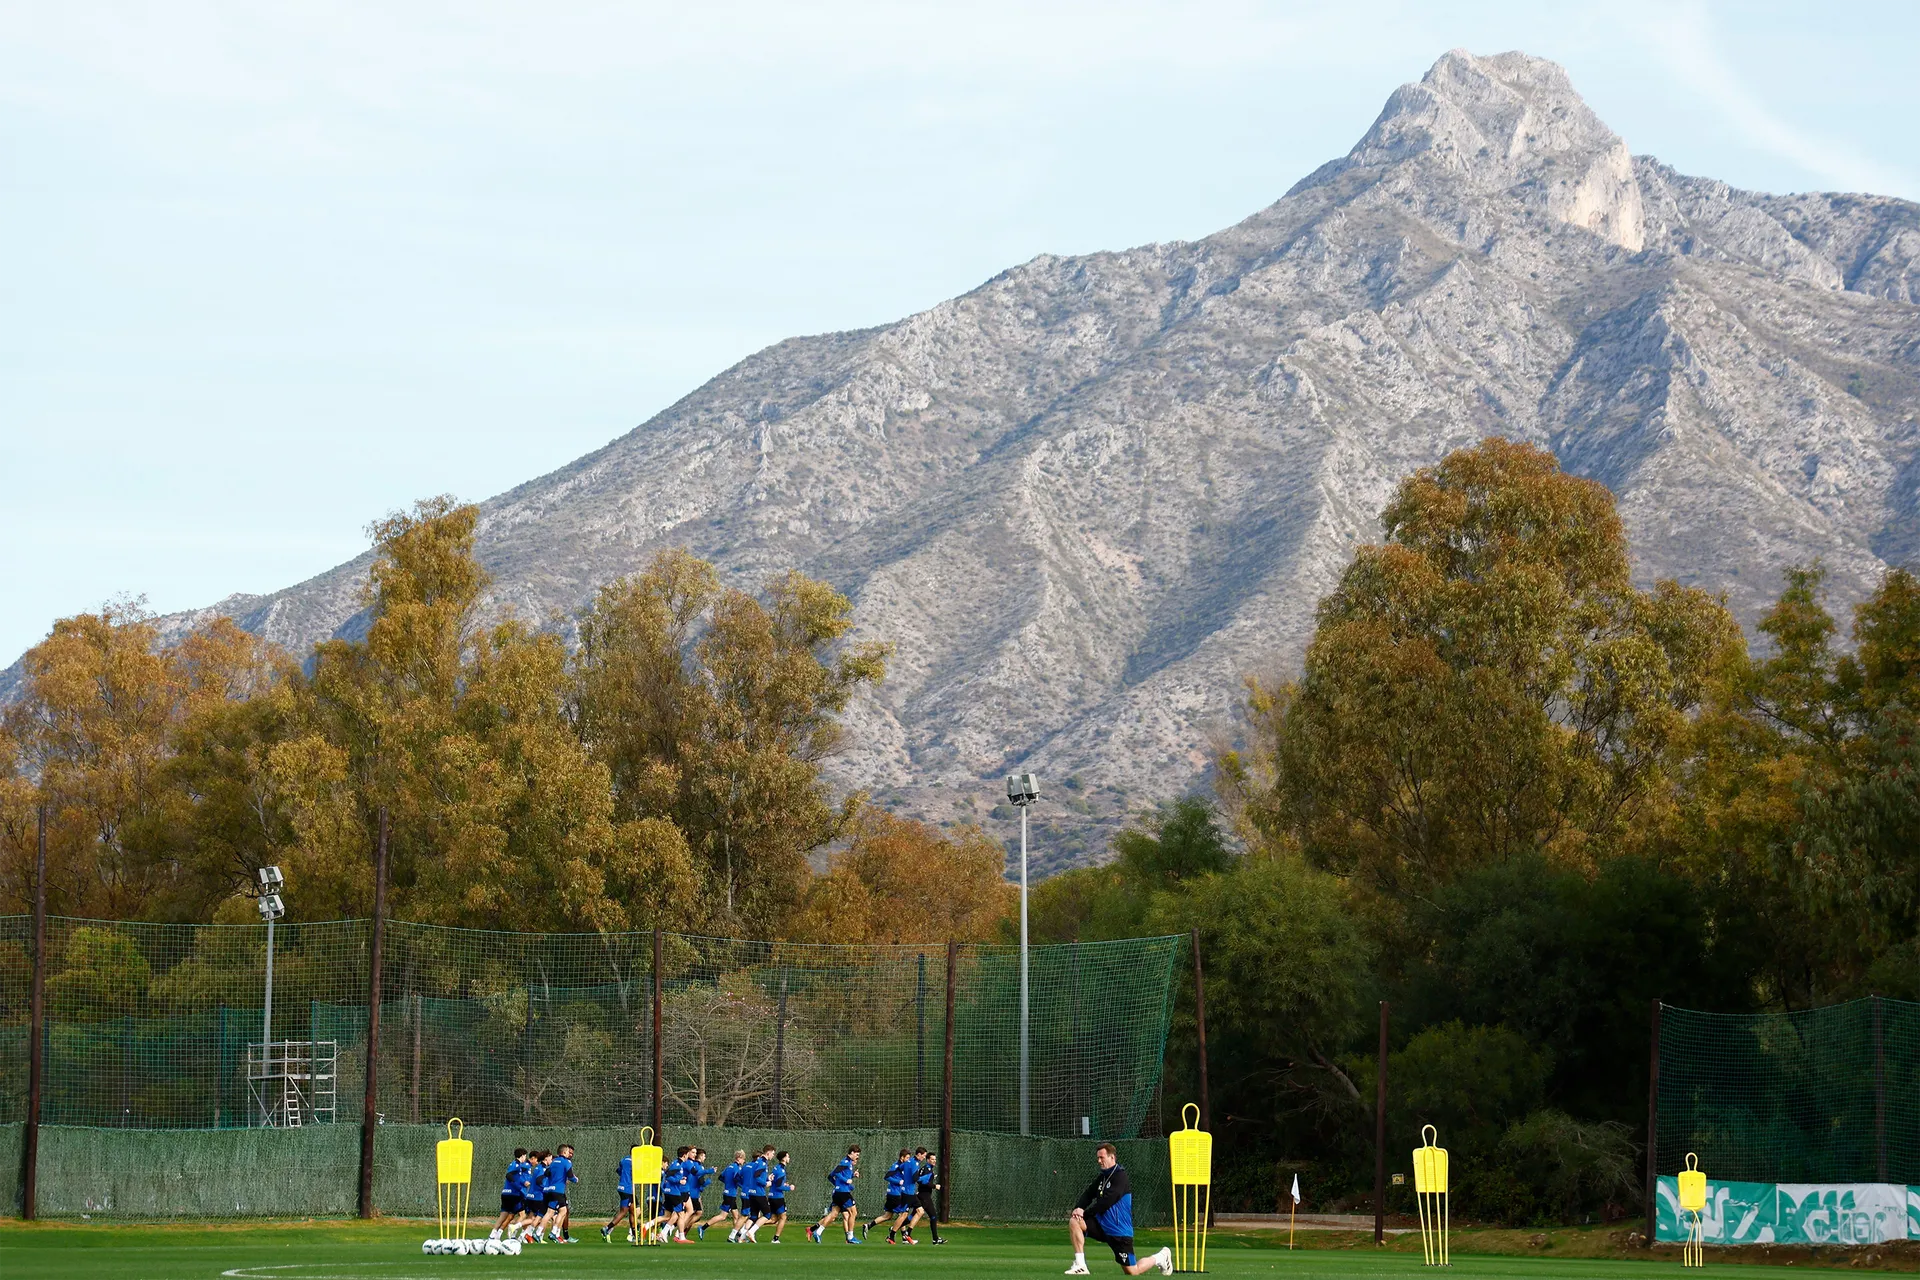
x,y
1022,790
271,907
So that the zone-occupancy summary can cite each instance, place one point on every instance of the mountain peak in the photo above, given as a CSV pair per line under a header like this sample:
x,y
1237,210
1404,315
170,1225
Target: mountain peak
x,y
1510,122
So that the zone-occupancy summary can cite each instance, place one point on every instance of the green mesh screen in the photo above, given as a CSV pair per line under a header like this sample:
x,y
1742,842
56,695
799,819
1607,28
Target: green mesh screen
x,y
313,1172
1819,1095
151,1025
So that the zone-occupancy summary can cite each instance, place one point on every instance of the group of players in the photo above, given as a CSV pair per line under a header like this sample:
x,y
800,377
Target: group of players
x,y
533,1198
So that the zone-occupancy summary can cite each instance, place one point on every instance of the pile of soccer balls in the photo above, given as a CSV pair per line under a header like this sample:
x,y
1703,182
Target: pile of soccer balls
x,y
471,1248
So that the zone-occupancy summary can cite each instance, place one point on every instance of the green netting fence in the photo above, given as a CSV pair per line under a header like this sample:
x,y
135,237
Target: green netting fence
x,y
156,1026
1829,1095
114,1174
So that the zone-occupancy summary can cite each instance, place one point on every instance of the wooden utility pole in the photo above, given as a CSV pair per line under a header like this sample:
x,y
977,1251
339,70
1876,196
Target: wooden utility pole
x,y
36,1025
369,1116
1380,1134
946,1094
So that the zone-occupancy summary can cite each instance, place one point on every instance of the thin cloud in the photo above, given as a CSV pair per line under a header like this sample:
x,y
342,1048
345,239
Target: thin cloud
x,y
1683,38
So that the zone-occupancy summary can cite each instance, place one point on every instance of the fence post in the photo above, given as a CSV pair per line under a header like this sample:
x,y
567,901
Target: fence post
x,y
1380,1133
369,1117
1653,1122
418,1010
1879,1093
656,1040
920,1040
36,1024
780,1051
1200,1027
946,1095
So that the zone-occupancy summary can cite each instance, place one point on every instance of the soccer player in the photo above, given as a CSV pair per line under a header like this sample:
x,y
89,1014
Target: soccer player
x,y
702,1176
730,1194
926,1182
891,1206
533,1195
623,1187
1105,1212
777,1192
840,1178
674,1182
509,1195
754,1178
559,1174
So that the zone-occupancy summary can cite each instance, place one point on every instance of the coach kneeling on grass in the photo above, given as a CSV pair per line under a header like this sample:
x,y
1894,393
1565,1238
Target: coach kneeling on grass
x,y
1105,1212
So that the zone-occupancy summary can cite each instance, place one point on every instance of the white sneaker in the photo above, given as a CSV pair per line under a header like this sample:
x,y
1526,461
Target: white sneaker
x,y
1164,1260
1078,1269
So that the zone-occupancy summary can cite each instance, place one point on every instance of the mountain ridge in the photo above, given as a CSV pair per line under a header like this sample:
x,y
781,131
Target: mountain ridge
x,y
1089,496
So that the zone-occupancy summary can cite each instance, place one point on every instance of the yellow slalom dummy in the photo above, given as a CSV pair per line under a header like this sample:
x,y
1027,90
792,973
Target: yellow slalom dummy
x,y
646,1182
1430,1189
1191,1155
453,1192
1693,1205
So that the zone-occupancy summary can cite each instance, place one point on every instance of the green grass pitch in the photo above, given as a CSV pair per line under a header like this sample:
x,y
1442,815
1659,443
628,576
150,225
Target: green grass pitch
x,y
391,1251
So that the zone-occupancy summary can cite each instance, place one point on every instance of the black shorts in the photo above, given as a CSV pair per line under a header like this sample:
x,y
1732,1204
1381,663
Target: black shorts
x,y
926,1201
556,1202
509,1202
757,1206
776,1207
728,1204
672,1204
1122,1246
896,1203
843,1200
696,1204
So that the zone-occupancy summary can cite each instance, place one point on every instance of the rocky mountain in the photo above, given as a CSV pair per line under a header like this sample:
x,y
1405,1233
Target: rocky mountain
x,y
1085,499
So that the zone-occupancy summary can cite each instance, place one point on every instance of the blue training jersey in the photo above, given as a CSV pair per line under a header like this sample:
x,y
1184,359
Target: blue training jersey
x,y
559,1174
623,1176
673,1177
900,1177
754,1178
841,1175
923,1178
730,1178
702,1176
513,1183
777,1182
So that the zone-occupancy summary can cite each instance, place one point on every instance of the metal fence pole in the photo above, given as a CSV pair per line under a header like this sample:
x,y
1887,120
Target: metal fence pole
x,y
946,1094
369,1117
36,1025
780,1053
1380,1134
656,1040
1879,1093
920,1039
1653,1122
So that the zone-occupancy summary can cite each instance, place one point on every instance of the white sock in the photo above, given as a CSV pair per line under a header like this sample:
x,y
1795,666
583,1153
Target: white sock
x,y
1080,1259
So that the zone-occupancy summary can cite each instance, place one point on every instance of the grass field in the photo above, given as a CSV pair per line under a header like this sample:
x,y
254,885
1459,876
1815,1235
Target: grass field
x,y
390,1251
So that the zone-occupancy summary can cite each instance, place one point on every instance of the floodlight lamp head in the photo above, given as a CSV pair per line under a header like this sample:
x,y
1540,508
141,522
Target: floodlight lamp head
x,y
271,879
1022,789
271,908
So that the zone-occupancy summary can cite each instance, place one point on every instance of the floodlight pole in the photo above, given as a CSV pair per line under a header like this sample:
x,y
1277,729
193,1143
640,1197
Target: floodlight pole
x,y
1025,1125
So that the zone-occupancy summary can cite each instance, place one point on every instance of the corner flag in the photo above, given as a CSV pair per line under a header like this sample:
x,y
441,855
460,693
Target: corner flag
x,y
1296,1188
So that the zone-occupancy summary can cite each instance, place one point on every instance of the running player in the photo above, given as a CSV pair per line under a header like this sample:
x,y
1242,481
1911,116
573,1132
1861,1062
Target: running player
x,y
777,1192
926,1183
674,1184
702,1176
840,1178
891,1207
509,1195
1105,1212
559,1174
756,1176
730,1194
623,1187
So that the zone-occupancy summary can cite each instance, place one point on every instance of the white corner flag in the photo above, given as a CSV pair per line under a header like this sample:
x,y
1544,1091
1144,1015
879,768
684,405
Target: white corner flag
x,y
1296,1188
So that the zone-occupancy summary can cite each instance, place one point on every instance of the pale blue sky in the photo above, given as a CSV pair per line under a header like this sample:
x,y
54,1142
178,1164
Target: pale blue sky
x,y
273,270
